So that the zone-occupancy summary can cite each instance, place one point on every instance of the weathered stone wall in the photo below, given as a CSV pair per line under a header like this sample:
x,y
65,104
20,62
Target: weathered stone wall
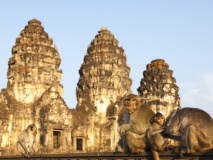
x,y
104,79
33,94
104,74
34,65
159,87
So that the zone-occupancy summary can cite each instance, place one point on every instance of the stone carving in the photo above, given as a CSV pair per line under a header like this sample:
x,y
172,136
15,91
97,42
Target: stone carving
x,y
52,108
33,92
159,87
104,79
35,60
104,74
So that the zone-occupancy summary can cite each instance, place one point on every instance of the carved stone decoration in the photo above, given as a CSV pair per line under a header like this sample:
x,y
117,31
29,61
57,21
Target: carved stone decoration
x,y
34,65
51,113
33,94
159,87
104,74
104,79
14,116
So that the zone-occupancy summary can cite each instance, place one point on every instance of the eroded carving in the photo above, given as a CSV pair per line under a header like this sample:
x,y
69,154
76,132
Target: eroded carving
x,y
159,87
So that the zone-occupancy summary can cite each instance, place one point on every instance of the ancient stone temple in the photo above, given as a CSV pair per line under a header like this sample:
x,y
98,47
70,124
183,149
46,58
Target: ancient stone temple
x,y
104,74
33,93
159,87
35,60
104,79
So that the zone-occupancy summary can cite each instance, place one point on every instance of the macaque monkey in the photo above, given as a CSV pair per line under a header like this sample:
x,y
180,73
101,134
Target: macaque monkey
x,y
26,141
195,127
154,136
134,132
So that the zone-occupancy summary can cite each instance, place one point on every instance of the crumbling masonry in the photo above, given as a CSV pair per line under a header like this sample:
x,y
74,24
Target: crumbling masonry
x,y
34,94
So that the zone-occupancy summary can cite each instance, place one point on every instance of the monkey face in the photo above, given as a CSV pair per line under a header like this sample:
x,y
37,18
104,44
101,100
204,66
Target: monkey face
x,y
131,104
33,129
160,121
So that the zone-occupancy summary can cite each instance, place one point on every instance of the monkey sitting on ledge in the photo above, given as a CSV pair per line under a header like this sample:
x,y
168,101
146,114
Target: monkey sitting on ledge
x,y
195,127
26,141
133,133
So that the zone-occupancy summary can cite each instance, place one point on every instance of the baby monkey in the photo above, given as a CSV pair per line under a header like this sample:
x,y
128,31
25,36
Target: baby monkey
x,y
154,137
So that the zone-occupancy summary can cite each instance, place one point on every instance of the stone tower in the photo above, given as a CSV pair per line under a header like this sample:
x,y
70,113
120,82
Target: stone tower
x,y
33,94
34,65
159,87
104,74
104,79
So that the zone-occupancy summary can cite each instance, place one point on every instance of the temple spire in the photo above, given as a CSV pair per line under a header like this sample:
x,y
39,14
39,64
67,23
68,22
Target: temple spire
x,y
104,74
34,65
159,87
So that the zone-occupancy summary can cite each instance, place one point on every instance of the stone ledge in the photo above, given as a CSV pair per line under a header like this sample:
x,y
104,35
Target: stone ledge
x,y
206,155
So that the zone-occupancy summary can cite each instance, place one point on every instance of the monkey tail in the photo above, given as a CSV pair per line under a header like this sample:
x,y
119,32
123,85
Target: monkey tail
x,y
155,154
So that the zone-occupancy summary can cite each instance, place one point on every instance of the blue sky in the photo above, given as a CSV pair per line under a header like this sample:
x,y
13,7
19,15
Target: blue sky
x,y
178,31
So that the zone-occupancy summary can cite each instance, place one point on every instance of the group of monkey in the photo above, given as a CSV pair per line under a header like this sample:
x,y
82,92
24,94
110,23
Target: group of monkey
x,y
186,130
192,127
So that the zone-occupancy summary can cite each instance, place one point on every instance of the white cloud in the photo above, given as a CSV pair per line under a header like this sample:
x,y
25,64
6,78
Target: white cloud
x,y
199,95
208,82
